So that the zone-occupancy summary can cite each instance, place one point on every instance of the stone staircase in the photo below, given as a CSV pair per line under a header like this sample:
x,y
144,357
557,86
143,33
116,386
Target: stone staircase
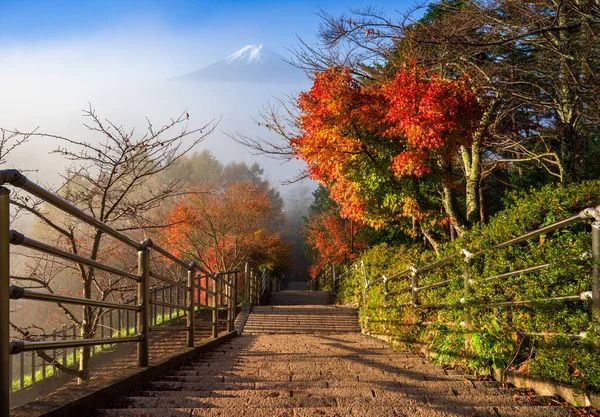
x,y
296,298
301,357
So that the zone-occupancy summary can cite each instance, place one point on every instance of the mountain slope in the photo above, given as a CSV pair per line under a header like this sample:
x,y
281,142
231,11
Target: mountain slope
x,y
251,64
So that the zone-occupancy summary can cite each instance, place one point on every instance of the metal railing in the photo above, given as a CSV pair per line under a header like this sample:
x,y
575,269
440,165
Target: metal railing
x,y
469,280
259,285
25,373
329,278
144,306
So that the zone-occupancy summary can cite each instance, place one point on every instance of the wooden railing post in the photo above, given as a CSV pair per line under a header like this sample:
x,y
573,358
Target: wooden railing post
x,y
191,304
144,303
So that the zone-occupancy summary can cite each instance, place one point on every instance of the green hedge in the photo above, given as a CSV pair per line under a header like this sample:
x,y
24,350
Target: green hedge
x,y
497,339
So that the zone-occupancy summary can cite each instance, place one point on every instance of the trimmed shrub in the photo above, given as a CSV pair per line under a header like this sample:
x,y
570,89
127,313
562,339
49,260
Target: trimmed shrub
x,y
499,338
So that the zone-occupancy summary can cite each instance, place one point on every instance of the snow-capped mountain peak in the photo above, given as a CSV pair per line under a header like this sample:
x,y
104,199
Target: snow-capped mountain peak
x,y
252,63
249,54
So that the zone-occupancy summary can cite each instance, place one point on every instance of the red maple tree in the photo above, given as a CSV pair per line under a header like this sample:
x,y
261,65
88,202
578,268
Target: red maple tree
x,y
355,137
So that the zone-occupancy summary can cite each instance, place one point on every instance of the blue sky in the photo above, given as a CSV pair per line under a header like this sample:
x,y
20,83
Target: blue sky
x,y
214,25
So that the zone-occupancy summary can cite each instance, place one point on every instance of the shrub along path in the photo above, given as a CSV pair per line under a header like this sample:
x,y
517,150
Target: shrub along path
x,y
301,357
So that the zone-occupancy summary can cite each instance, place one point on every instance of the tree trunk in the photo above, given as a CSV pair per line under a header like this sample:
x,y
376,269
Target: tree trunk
x,y
472,166
482,206
87,322
351,236
573,146
434,244
85,351
448,203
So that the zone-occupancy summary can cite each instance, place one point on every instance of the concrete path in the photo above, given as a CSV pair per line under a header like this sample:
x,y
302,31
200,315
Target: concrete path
x,y
301,357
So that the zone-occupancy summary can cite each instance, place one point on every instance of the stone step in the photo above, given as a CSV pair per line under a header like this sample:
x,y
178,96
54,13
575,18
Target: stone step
x,y
267,376
382,388
413,375
319,367
260,400
294,399
299,297
507,397
358,410
259,375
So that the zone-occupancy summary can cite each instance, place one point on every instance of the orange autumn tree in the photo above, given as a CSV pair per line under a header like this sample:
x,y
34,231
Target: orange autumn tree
x,y
221,228
334,239
382,148
335,115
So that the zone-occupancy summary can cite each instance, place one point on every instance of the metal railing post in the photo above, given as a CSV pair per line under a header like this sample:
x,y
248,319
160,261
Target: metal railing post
x,y
385,290
467,288
385,296
144,304
229,304
595,274
333,278
206,289
247,282
268,282
234,297
255,300
250,298
235,289
5,382
254,286
365,324
414,286
257,286
197,286
365,283
191,280
249,285
215,315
